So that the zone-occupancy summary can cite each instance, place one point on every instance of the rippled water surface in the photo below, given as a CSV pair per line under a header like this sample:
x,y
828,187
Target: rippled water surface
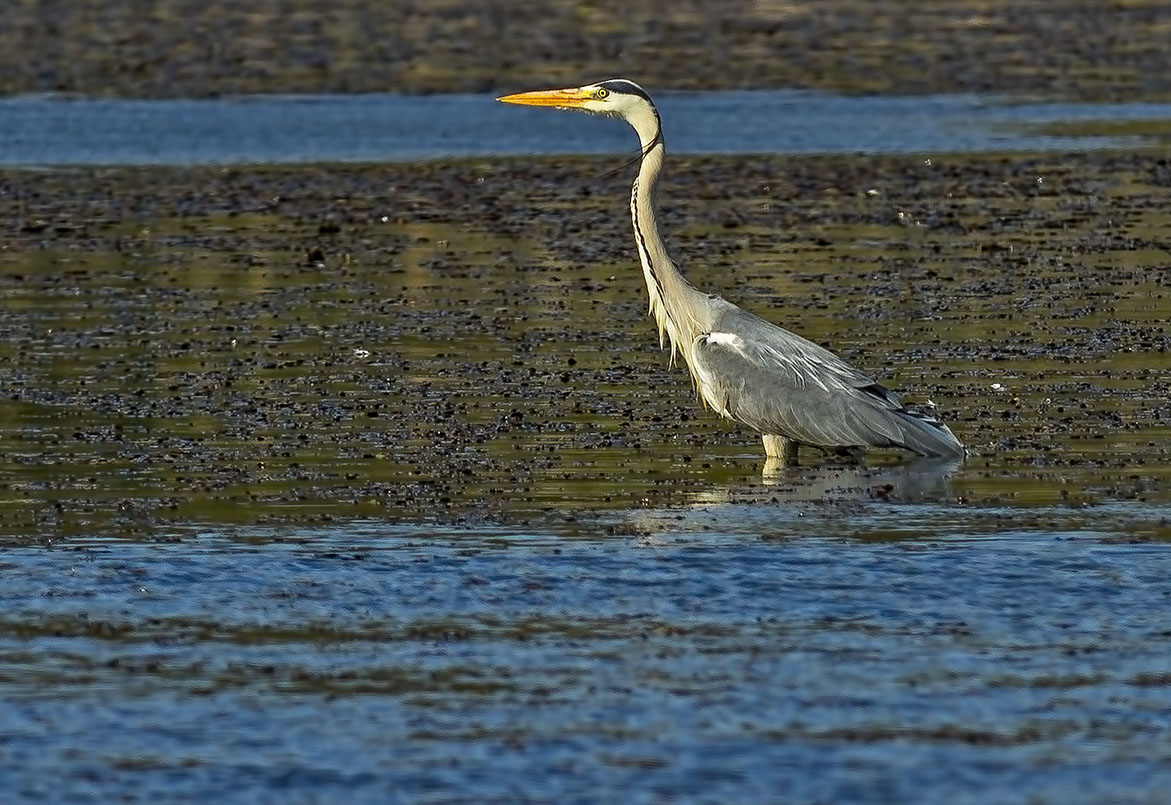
x,y
372,483
734,653
41,130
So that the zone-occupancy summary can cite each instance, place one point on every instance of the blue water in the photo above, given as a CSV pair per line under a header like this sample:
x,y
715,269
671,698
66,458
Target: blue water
x,y
775,660
37,130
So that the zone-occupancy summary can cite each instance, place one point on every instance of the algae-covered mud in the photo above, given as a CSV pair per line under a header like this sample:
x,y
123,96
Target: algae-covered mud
x,y
373,483
181,48
468,341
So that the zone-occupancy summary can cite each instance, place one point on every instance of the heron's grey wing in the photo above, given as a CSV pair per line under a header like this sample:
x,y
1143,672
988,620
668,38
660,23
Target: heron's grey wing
x,y
779,383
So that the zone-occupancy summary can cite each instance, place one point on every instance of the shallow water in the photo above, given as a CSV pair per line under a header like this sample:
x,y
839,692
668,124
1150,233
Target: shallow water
x,y
712,651
373,482
46,130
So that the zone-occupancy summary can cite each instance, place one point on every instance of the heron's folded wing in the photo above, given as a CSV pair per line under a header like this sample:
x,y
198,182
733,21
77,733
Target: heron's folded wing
x,y
779,383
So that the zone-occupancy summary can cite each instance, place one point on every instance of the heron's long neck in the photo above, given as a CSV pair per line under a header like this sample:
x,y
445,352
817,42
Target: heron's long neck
x,y
674,303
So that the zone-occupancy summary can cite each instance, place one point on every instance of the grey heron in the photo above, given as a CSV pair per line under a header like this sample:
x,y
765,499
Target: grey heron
x,y
789,389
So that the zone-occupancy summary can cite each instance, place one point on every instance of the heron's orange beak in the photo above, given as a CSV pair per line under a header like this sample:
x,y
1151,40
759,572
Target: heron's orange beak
x,y
573,98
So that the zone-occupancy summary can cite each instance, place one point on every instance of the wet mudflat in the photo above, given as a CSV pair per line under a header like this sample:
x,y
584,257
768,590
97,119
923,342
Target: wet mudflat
x,y
468,341
373,478
181,48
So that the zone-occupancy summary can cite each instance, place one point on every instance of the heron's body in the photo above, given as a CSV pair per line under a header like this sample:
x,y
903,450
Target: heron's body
x,y
790,390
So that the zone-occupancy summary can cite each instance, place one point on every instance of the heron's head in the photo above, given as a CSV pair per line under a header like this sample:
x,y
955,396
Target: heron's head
x,y
616,97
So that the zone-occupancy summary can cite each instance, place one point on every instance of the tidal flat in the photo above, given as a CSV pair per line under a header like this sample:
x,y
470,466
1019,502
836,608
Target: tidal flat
x,y
468,342
181,48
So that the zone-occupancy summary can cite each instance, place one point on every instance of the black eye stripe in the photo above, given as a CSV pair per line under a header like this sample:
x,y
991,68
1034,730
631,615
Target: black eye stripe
x,y
624,86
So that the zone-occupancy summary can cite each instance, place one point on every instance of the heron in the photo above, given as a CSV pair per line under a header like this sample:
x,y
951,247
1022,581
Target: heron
x,y
793,392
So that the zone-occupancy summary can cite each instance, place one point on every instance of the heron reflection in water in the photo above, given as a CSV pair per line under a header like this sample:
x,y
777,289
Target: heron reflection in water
x,y
826,500
790,390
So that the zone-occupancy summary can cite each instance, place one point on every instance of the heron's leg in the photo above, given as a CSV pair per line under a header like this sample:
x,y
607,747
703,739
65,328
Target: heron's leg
x,y
780,450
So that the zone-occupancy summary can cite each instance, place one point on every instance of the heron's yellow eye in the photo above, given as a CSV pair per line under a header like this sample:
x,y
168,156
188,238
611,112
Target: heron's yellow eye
x,y
601,93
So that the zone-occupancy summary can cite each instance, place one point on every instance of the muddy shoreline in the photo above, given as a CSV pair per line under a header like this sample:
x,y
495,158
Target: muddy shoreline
x,y
467,341
179,48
